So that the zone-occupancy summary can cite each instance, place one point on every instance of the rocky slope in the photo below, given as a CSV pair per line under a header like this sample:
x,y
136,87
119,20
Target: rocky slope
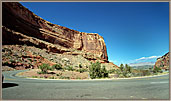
x,y
21,26
163,62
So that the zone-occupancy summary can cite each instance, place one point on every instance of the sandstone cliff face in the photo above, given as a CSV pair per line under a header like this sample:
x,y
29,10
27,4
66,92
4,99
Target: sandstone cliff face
x,y
21,26
163,62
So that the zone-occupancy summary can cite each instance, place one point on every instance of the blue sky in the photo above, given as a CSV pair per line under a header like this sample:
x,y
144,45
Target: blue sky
x,y
133,31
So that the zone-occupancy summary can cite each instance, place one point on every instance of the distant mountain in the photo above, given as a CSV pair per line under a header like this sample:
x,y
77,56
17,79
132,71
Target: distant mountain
x,y
142,64
143,67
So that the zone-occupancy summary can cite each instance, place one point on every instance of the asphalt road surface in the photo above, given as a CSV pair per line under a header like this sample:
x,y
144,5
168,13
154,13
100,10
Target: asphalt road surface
x,y
18,88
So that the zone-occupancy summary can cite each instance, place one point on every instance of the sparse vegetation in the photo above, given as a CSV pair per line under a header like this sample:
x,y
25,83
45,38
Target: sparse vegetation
x,y
157,69
44,68
64,77
80,66
69,68
34,76
81,70
111,71
128,71
57,66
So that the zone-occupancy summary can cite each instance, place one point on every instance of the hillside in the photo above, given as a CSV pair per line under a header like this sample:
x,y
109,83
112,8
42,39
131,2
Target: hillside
x,y
163,62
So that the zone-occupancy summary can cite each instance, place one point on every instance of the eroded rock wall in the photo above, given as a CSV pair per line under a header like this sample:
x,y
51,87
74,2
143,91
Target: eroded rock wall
x,y
163,62
21,26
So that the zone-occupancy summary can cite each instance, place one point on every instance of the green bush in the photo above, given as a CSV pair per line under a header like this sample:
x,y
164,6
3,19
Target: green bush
x,y
96,71
157,69
80,66
64,77
57,66
104,72
44,68
112,71
57,74
34,77
69,68
52,77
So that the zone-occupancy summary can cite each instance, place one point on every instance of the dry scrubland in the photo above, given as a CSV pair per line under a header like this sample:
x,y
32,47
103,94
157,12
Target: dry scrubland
x,y
18,57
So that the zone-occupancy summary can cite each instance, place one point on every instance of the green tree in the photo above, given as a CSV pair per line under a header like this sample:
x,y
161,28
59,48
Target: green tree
x,y
94,70
121,67
128,68
104,72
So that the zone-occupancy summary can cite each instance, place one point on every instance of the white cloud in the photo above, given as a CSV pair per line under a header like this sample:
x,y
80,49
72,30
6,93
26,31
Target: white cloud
x,y
146,58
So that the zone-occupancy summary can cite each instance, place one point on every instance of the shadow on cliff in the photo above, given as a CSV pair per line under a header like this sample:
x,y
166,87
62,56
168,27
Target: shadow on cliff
x,y
7,85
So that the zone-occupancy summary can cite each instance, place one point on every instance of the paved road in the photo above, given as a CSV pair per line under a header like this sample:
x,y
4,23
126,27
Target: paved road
x,y
144,88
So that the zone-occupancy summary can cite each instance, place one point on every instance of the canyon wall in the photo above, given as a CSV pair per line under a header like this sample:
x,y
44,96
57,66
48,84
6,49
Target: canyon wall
x,y
163,62
21,26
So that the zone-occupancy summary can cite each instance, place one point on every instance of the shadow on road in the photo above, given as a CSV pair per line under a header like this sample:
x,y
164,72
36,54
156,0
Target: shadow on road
x,y
7,85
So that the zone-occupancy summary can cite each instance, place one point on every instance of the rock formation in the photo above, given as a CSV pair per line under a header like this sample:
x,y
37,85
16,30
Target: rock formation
x,y
21,26
163,62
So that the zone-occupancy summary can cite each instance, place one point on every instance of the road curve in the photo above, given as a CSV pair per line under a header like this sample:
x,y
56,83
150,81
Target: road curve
x,y
18,88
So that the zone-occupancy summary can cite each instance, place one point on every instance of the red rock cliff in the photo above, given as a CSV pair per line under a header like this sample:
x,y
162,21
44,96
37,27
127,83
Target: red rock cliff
x,y
163,62
21,26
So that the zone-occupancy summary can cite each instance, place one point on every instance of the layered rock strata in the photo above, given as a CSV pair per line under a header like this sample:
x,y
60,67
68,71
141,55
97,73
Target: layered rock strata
x,y
21,26
163,62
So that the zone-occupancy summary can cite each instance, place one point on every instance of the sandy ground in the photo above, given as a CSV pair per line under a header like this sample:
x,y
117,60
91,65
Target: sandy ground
x,y
56,74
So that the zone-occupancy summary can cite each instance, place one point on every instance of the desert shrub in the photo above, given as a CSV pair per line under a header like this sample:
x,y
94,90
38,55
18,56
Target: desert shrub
x,y
78,78
81,70
141,72
57,74
111,71
44,68
12,61
57,66
30,60
5,63
69,68
51,68
96,71
34,77
64,77
157,69
52,77
80,66
121,76
104,72
145,72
